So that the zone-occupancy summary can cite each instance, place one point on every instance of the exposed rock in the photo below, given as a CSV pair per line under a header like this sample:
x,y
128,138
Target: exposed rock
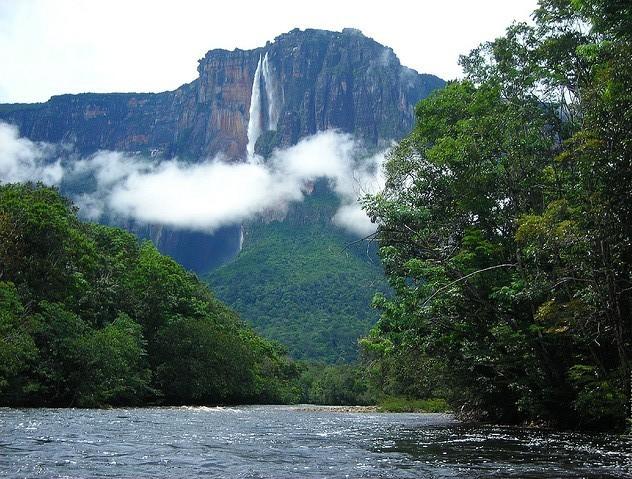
x,y
340,80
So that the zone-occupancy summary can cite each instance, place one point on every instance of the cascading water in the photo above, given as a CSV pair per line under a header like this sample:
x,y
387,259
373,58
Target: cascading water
x,y
255,120
258,121
272,94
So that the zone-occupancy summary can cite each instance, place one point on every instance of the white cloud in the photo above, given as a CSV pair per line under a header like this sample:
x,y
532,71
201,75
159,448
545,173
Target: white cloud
x,y
366,178
24,160
352,217
200,196
208,195
203,196
110,167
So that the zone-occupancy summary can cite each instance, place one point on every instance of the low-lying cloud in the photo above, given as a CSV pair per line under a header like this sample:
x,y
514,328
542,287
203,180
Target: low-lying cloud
x,y
24,160
200,196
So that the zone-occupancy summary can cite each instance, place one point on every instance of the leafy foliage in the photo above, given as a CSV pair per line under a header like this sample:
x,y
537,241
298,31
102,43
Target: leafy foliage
x,y
298,282
336,385
394,404
505,227
90,317
17,348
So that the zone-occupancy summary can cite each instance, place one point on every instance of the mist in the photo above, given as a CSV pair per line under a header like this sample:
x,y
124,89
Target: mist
x,y
24,160
200,196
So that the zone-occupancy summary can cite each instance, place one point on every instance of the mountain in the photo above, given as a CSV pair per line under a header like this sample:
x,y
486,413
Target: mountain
x,y
340,80
302,83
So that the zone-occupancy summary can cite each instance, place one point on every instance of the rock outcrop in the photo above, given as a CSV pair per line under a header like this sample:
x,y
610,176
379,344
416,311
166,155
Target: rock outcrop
x,y
340,80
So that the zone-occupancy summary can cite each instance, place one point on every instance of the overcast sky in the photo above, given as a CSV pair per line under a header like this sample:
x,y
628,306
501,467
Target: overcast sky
x,y
49,47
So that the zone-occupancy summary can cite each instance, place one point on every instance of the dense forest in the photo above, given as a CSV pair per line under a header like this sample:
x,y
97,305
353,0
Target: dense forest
x,y
506,228
301,282
90,316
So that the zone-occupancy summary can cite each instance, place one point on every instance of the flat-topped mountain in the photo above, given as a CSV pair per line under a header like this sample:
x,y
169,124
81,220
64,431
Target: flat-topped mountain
x,y
325,80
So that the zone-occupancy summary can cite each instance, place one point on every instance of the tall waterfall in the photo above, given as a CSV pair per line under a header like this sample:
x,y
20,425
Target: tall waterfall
x,y
260,121
255,120
272,95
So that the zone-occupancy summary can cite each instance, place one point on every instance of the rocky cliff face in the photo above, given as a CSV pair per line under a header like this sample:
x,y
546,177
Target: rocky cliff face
x,y
322,80
326,80
345,81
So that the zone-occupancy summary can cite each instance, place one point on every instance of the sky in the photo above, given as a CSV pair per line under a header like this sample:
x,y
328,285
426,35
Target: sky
x,y
50,47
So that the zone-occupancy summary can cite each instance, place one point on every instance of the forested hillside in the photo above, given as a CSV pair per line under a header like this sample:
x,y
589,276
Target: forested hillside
x,y
304,282
506,228
91,317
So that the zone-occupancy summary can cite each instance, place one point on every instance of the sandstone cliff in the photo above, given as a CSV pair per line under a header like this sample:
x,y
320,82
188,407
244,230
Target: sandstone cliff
x,y
326,80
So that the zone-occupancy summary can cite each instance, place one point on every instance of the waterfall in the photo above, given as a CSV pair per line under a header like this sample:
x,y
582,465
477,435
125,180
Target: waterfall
x,y
272,94
260,121
255,120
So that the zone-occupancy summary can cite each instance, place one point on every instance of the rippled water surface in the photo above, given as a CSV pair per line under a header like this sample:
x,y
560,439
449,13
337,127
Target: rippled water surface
x,y
278,442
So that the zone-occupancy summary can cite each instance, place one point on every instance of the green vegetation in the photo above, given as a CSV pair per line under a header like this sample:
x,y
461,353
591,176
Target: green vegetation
x,y
91,317
505,233
506,228
399,404
299,282
336,385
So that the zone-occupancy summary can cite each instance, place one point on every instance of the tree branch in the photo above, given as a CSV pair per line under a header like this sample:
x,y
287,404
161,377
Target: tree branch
x,y
506,265
370,237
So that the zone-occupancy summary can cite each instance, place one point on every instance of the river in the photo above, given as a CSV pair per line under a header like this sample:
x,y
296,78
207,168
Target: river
x,y
288,442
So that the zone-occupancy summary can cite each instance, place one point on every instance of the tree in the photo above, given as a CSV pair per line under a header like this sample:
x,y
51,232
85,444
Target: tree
x,y
17,348
504,225
201,362
114,365
91,317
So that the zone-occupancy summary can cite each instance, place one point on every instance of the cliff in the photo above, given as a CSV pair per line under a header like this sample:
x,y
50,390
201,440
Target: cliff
x,y
325,79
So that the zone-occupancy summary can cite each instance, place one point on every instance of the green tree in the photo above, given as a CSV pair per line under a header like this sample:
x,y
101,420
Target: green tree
x,y
59,372
35,240
505,225
114,365
202,363
17,348
90,317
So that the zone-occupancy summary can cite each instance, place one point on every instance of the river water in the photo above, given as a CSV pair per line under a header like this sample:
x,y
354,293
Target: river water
x,y
287,442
